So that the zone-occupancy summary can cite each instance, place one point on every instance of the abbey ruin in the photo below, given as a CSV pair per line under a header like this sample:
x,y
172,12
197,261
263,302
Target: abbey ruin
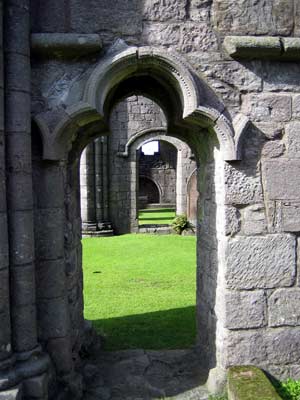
x,y
225,77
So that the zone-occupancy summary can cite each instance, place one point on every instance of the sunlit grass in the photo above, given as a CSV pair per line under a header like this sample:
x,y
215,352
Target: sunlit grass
x,y
156,216
140,290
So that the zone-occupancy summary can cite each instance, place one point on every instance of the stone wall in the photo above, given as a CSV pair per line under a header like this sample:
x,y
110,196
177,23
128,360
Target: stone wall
x,y
161,168
248,283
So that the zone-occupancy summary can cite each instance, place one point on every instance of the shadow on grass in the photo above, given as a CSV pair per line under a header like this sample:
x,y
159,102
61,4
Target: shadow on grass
x,y
168,329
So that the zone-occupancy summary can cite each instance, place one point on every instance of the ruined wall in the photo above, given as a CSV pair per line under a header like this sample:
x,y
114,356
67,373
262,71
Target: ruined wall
x,y
161,168
128,117
248,277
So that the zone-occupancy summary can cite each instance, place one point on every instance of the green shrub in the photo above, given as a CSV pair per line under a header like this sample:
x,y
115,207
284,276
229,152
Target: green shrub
x,y
289,389
181,223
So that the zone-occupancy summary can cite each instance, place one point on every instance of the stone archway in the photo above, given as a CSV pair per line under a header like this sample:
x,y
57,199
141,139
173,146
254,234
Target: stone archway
x,y
194,115
184,164
149,192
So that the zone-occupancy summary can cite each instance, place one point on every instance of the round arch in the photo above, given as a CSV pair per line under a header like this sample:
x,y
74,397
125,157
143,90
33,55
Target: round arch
x,y
189,102
195,115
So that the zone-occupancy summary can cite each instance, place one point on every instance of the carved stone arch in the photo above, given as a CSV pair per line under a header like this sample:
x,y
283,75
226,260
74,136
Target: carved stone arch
x,y
146,135
62,126
195,110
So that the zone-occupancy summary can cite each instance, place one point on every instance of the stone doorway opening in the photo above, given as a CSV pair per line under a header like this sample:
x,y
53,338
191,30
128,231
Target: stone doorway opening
x,y
195,116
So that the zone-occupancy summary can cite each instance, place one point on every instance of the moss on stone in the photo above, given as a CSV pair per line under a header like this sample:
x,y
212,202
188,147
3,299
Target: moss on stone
x,y
250,383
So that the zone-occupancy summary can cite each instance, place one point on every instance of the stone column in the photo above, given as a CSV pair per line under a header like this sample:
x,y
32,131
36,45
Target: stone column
x,y
19,177
87,185
94,189
5,332
180,185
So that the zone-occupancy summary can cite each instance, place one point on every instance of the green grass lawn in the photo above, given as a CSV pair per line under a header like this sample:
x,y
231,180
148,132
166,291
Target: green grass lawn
x,y
157,216
139,290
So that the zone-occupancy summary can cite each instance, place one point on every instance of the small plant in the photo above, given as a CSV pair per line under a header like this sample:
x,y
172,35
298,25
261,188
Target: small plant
x,y
289,389
218,397
181,223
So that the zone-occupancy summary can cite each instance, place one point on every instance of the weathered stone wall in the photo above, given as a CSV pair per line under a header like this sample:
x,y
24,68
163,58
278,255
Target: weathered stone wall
x,y
128,117
161,168
249,222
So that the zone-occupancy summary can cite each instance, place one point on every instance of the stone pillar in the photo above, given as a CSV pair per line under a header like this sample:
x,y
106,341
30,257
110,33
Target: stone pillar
x,y
87,184
19,177
180,185
5,332
94,189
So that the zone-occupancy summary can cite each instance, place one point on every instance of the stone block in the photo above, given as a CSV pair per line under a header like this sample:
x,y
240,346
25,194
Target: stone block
x,y
290,216
61,354
254,220
161,34
36,387
261,262
49,233
197,37
282,179
233,220
244,310
21,237
243,185
19,191
273,149
18,65
233,74
254,347
47,178
250,382
19,157
259,18
17,122
25,329
53,318
284,307
293,139
50,18
296,106
267,107
120,16
297,19
23,288
276,77
271,130
253,47
161,10
50,277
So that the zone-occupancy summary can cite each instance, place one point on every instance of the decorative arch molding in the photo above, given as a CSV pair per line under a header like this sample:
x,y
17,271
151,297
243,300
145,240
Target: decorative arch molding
x,y
197,108
147,135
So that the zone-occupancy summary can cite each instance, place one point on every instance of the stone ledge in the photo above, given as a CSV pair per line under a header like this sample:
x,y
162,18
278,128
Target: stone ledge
x,y
249,383
65,45
263,47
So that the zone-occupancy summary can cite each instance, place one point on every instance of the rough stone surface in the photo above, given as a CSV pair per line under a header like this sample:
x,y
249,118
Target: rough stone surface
x,y
259,18
281,179
268,107
139,374
247,209
254,220
283,309
261,262
245,310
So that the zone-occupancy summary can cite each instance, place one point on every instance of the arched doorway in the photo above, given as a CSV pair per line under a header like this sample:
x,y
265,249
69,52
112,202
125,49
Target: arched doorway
x,y
196,116
148,192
